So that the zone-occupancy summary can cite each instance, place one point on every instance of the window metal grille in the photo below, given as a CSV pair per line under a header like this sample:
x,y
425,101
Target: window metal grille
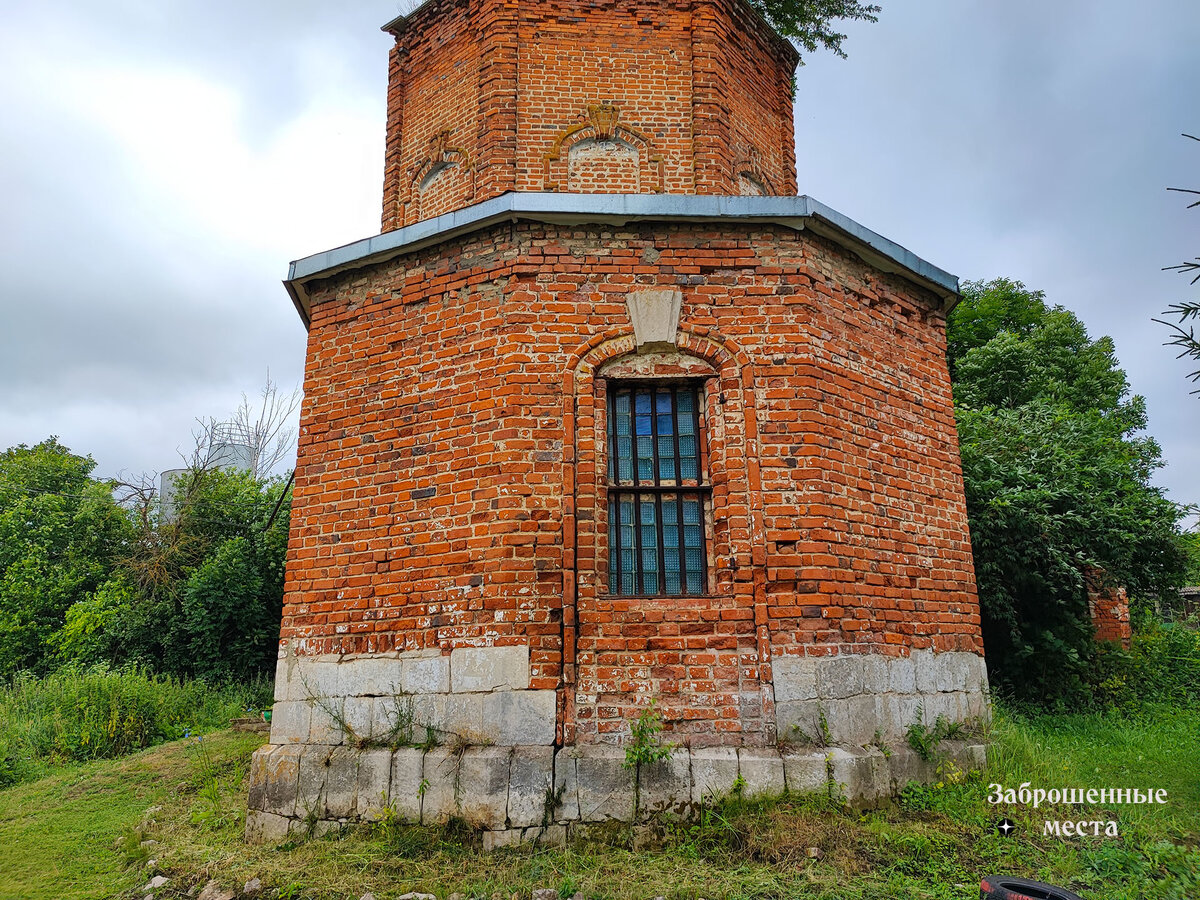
x,y
656,490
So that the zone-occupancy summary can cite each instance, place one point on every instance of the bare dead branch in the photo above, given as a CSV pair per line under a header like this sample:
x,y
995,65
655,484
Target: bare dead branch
x,y
261,425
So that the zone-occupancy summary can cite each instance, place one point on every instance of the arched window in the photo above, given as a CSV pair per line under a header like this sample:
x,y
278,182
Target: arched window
x,y
657,488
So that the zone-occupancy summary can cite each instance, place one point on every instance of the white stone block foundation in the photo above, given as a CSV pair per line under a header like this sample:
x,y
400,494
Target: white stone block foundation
x,y
346,733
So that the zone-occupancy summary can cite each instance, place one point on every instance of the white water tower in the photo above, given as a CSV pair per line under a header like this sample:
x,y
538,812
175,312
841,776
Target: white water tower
x,y
227,449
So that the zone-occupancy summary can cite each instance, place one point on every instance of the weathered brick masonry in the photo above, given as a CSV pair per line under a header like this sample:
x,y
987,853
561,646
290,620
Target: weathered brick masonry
x,y
449,563
488,96
452,428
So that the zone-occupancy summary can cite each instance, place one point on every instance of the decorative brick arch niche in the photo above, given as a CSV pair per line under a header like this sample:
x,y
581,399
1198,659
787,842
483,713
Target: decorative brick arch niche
x,y
443,181
751,176
602,155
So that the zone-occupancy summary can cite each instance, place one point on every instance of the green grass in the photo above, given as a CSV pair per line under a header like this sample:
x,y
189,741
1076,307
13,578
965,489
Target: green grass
x,y
75,834
73,715
1156,748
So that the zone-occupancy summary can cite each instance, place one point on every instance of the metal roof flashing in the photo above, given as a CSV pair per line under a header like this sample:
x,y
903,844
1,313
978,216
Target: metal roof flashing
x,y
620,209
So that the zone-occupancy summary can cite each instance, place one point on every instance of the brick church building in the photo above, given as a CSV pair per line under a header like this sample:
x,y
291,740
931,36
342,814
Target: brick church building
x,y
607,415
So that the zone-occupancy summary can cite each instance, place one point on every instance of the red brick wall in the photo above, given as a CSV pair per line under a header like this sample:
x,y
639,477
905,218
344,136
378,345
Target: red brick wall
x,y
433,88
700,88
742,101
1108,606
450,489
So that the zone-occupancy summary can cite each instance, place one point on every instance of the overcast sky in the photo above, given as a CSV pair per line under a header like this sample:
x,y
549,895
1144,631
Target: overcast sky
x,y
162,161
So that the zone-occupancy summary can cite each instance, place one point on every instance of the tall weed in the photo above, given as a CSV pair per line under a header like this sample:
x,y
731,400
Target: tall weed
x,y
1162,665
75,715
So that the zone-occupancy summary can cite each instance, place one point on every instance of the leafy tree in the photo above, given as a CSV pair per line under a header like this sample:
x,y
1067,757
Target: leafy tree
x,y
228,618
99,572
1000,306
60,534
232,603
1191,549
1057,476
809,23
206,583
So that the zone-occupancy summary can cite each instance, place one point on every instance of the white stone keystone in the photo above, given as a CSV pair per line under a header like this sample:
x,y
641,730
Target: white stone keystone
x,y
655,315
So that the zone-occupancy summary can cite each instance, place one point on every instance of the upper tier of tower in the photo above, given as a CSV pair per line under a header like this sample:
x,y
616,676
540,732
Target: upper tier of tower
x,y
584,96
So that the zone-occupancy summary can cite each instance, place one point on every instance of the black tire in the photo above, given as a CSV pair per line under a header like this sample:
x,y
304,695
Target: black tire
x,y
1004,887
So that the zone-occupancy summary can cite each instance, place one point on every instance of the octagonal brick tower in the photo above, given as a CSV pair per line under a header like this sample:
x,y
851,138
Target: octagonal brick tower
x,y
607,416
489,96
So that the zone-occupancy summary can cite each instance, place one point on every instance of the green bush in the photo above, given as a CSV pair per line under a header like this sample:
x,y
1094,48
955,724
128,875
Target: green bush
x,y
85,580
198,594
1057,472
60,534
231,620
77,715
1162,665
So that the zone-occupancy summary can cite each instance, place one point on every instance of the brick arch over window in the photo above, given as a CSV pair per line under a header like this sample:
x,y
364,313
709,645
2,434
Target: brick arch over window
x,y
585,156
736,547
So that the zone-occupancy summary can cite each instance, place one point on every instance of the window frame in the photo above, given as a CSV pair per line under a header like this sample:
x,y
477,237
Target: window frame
x,y
701,490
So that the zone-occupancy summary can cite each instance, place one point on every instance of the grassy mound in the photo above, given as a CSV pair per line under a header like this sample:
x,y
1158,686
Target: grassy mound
x,y
79,833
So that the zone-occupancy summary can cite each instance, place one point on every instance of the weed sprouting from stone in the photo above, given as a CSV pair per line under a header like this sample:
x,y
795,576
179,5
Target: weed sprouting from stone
x,y
646,747
925,740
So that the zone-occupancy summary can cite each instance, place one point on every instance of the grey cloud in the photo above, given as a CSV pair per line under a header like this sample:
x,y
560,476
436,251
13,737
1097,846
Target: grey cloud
x,y
1028,139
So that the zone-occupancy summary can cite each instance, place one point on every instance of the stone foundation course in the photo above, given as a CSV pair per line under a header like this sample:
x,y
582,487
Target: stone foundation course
x,y
535,793
474,695
424,736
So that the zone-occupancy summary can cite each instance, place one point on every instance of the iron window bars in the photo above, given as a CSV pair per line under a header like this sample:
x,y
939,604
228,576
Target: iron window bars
x,y
656,490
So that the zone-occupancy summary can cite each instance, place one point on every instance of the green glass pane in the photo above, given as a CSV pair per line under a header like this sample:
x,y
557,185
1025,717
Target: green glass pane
x,y
628,547
624,427
666,457
671,567
687,411
671,570
649,526
644,434
613,560
645,452
689,468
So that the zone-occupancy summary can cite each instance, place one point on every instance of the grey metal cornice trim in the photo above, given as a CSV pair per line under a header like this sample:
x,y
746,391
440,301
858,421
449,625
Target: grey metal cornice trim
x,y
621,209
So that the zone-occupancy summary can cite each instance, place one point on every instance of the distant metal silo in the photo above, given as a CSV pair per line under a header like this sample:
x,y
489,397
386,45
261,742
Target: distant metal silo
x,y
168,491
227,450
